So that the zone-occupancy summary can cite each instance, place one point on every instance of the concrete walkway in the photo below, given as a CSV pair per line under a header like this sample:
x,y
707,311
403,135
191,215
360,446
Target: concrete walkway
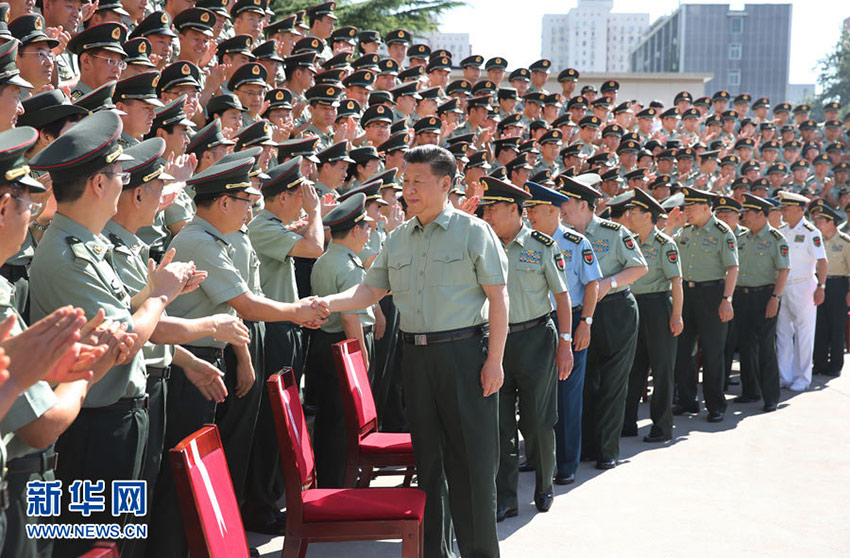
x,y
755,485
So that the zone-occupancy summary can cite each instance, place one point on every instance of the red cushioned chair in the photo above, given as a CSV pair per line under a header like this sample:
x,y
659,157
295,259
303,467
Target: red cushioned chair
x,y
103,550
332,515
211,515
367,448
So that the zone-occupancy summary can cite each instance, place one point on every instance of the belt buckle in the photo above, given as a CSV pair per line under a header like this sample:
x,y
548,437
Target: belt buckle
x,y
691,284
166,373
420,339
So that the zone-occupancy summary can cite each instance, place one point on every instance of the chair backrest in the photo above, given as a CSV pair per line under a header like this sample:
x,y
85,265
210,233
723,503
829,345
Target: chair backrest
x,y
296,452
211,515
357,396
102,549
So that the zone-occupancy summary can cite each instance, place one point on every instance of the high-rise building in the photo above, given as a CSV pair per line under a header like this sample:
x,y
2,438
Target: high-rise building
x,y
747,50
591,38
456,43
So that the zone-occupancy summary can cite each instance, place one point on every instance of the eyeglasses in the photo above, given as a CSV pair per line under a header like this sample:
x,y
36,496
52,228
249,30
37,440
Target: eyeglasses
x,y
120,64
44,55
246,200
124,176
29,205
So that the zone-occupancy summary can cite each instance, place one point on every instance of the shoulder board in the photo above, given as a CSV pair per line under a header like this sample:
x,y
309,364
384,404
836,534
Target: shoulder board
x,y
808,225
743,232
217,239
660,238
776,234
78,247
722,227
115,239
844,236
610,225
354,260
543,239
572,237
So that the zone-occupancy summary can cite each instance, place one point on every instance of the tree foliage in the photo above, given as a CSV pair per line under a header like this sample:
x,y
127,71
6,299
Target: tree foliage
x,y
380,15
834,78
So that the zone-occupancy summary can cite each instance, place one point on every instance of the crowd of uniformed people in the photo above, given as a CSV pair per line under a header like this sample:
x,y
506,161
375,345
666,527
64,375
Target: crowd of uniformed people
x,y
197,194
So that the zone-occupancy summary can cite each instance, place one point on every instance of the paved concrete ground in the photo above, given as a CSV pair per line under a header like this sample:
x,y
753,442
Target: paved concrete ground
x,y
755,485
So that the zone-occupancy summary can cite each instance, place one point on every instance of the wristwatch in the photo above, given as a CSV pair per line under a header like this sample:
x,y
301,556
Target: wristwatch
x,y
777,296
727,298
613,282
566,337
587,319
821,285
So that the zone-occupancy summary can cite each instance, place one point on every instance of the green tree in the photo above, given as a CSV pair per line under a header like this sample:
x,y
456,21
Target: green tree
x,y
380,15
834,78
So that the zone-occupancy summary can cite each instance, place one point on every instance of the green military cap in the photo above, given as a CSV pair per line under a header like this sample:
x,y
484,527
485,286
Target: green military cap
x,y
638,173
510,120
362,155
348,107
799,164
506,143
652,144
750,165
370,189
171,114
729,160
542,65
843,166
571,150
646,202
458,149
459,86
552,99
790,199
610,85
496,191
347,214
285,25
199,19
4,20
743,98
418,51
463,138
137,50
612,175
819,208
517,163
219,8
528,146
600,159
321,10
258,133
589,122
388,66
397,36
329,77
267,51
579,101
552,136
308,44
141,87
369,62
661,181
505,93
346,34
246,153
304,147
252,73
29,29
628,146
648,112
727,203
232,177
89,146
239,44
835,124
536,97
47,107
440,53
381,98
412,74
300,21
369,36
336,152
761,102
477,102
177,74
387,178
777,168
431,93
279,99
580,187
257,6
588,89
762,182
97,100
397,142
439,63
782,107
672,112
484,87
755,203
600,102
474,61
521,74
769,145
612,130
157,23
568,74
360,78
690,113
13,165
702,102
496,63
720,96
834,105
625,106
802,108
339,62
206,138
221,103
499,172
685,153
106,36
427,124
808,125
324,94
478,160
148,163
693,196
793,144
682,96
283,177
376,113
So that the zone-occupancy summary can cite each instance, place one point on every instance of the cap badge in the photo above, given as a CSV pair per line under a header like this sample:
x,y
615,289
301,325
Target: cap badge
x,y
116,33
155,81
255,70
37,25
205,17
164,19
330,91
185,70
142,47
279,95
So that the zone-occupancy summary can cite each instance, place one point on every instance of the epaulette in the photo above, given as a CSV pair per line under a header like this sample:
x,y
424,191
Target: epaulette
x,y
776,234
355,261
808,225
115,239
572,237
743,232
610,225
844,236
660,238
218,239
722,227
543,239
79,249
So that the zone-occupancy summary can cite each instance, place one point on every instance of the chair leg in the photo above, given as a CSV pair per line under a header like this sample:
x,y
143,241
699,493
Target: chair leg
x,y
302,552
408,476
293,547
365,476
350,479
412,545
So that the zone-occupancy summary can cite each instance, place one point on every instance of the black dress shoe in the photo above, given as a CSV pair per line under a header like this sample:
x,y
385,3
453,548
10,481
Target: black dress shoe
x,y
564,478
831,374
715,416
606,464
733,382
769,407
682,409
525,466
656,437
746,399
543,500
586,457
629,431
503,512
272,526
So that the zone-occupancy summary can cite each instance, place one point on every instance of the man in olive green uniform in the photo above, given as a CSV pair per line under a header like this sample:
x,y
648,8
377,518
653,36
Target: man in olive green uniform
x,y
709,254
536,268
335,271
615,326
659,298
324,100
72,265
832,314
443,266
763,272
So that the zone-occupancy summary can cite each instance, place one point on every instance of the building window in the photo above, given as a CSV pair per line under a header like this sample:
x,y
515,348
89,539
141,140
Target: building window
x,y
734,51
734,78
736,25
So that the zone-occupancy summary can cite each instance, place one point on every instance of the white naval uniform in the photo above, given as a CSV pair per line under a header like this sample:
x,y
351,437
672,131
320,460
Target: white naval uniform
x,y
795,327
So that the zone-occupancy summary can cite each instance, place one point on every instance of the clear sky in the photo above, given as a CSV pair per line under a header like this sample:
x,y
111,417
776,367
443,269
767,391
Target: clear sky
x,y
512,28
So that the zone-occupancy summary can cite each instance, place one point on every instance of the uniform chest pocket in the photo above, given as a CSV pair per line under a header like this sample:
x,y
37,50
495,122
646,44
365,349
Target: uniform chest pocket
x,y
530,276
399,269
448,268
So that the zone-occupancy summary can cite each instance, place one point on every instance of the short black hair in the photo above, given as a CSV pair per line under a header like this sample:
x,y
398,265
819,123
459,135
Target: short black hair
x,y
339,235
70,186
440,159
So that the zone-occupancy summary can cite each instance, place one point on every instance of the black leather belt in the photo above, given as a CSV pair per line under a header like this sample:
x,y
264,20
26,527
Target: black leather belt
x,y
209,354
615,296
522,326
33,464
647,296
836,277
444,336
367,329
748,290
577,309
125,403
702,284
155,372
